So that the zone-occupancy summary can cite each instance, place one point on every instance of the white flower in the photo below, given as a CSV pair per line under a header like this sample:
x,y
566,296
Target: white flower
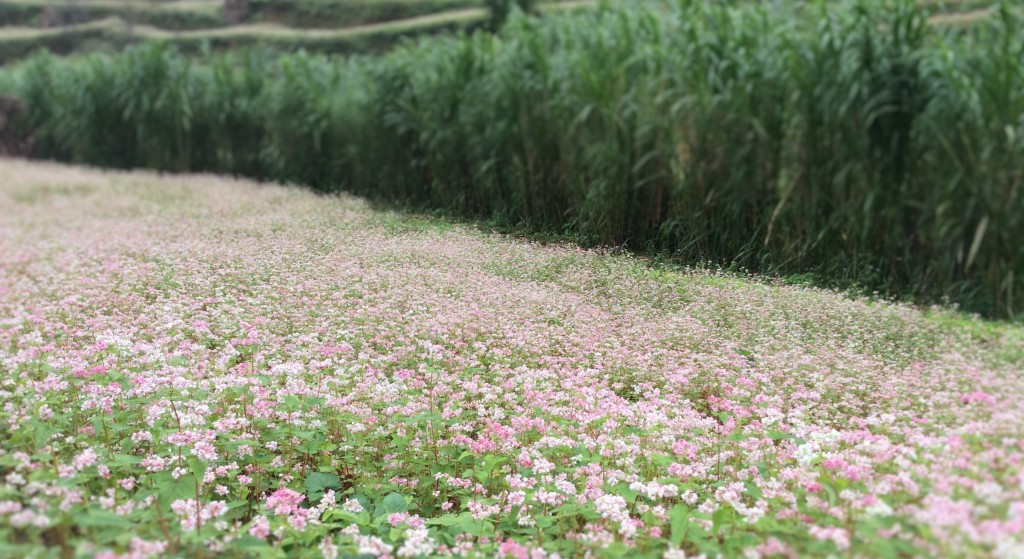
x,y
674,553
328,549
879,508
418,542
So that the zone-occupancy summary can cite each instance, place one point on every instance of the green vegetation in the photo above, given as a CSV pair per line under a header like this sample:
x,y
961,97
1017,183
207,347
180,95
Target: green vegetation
x,y
859,145
500,9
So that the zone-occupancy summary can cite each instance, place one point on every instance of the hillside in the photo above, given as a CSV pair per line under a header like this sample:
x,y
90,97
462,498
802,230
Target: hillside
x,y
336,26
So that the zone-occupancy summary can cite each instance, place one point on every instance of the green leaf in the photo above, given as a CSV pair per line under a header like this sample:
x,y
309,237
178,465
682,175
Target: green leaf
x,y
474,527
312,444
248,542
753,490
445,520
16,550
830,489
198,467
122,460
544,521
346,516
679,523
254,547
490,462
618,549
319,482
779,435
170,489
100,518
464,522
395,502
568,509
718,519
41,432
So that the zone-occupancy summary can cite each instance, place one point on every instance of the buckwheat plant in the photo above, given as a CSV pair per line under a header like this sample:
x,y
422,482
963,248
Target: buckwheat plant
x,y
205,367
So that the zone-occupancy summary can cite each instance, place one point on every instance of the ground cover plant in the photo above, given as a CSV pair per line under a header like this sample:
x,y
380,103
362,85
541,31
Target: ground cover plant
x,y
205,367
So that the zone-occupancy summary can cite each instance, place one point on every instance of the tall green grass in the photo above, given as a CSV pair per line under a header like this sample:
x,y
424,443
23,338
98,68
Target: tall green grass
x,y
858,144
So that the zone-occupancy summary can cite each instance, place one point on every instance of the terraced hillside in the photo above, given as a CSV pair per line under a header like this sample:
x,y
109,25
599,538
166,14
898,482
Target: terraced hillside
x,y
321,25
339,26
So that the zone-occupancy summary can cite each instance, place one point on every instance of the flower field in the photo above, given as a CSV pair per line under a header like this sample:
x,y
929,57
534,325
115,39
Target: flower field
x,y
207,367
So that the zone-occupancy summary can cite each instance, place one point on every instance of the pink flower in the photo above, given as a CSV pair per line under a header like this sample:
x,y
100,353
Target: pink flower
x,y
481,511
513,549
838,536
87,458
284,501
203,450
978,397
833,464
298,521
260,527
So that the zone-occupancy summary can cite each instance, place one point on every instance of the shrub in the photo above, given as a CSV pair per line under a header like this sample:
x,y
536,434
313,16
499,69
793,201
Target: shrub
x,y
500,9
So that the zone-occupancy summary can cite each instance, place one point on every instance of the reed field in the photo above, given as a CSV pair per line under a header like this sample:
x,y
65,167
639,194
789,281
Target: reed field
x,y
848,144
